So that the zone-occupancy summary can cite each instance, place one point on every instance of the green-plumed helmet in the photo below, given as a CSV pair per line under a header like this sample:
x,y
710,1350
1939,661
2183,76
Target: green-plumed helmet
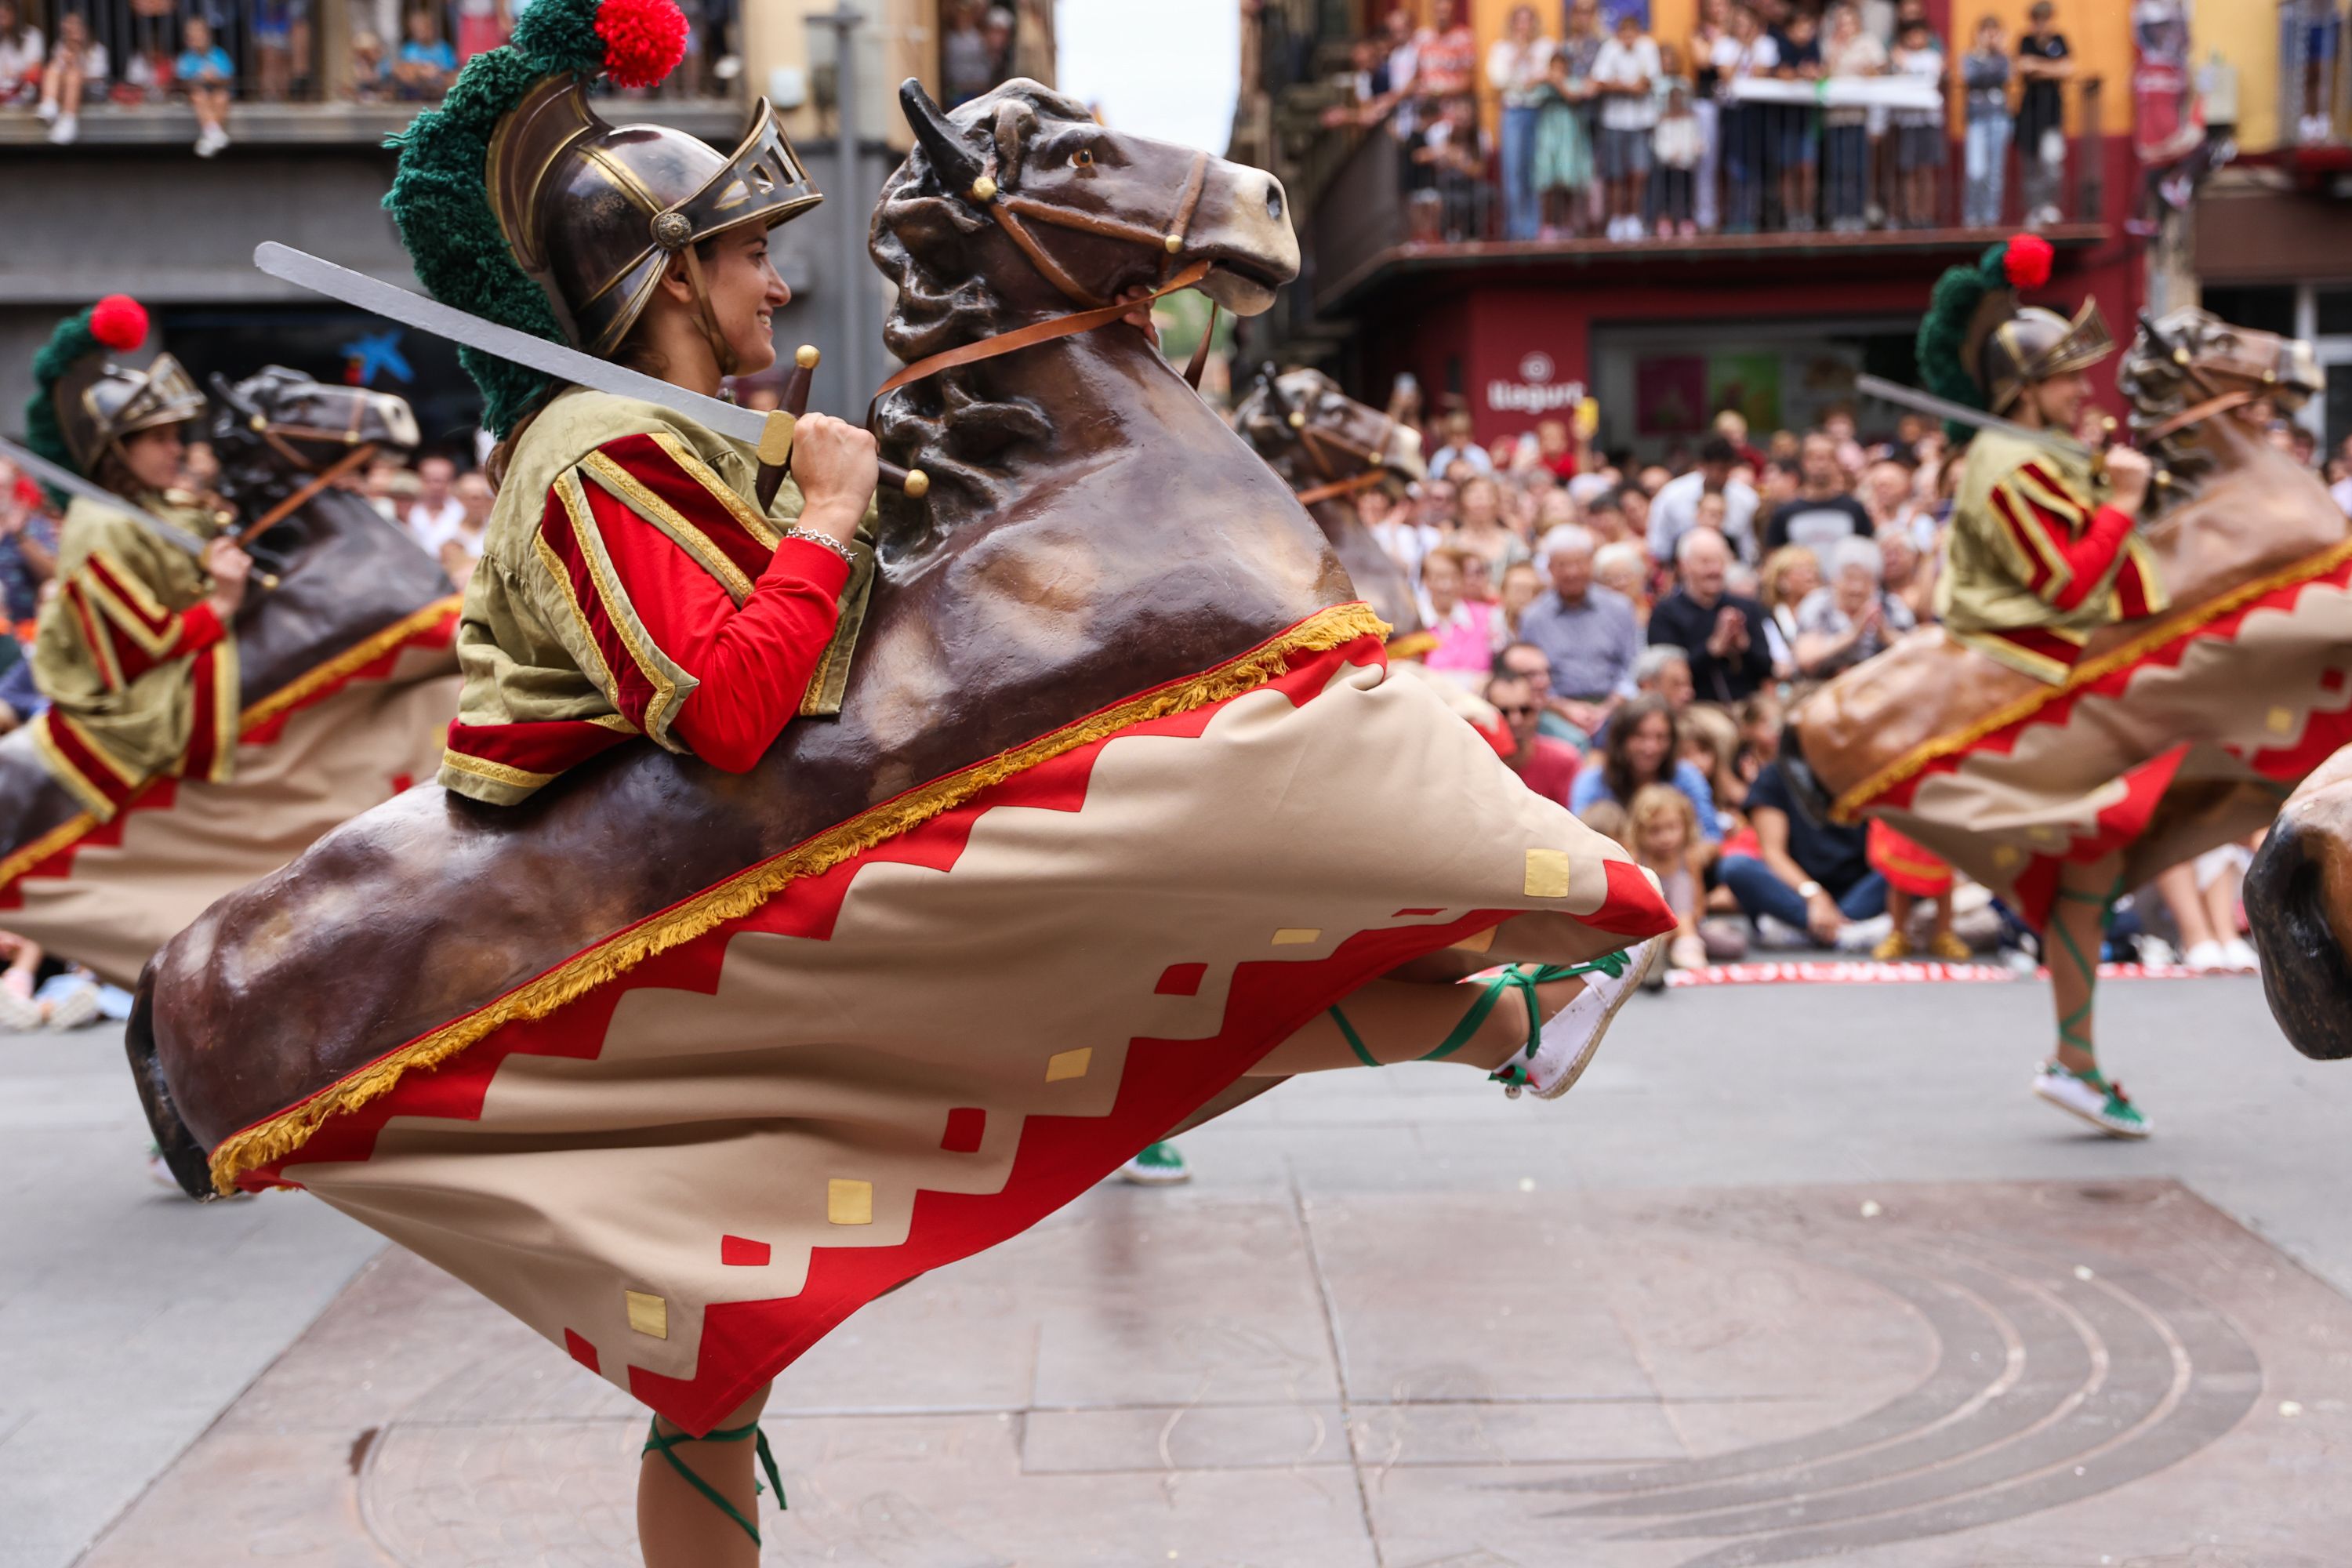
x,y
1980,347
85,402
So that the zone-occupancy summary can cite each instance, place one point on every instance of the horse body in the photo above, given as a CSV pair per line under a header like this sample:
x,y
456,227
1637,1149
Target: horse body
x,y
1094,532
1328,449
2173,733
345,576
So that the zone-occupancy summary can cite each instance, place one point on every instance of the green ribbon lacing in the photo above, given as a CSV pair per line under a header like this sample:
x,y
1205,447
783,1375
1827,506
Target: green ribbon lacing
x,y
1521,977
657,1444
2071,1029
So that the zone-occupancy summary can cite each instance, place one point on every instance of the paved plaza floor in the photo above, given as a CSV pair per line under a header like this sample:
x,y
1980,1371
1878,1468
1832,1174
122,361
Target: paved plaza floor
x,y
1796,1273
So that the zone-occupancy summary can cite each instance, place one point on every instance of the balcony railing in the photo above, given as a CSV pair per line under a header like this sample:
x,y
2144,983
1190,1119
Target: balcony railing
x,y
1785,158
141,55
2315,86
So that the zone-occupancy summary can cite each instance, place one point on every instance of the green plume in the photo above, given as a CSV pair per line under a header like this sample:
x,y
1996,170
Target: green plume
x,y
1943,332
68,345
440,196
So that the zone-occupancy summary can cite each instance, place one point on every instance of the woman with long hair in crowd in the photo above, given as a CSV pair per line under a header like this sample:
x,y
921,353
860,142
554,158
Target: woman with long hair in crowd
x,y
1522,585
1787,576
1644,746
1482,531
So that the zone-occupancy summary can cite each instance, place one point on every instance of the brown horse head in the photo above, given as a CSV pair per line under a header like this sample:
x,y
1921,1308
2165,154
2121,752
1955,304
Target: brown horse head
x,y
1316,434
277,427
2181,363
1328,446
1018,206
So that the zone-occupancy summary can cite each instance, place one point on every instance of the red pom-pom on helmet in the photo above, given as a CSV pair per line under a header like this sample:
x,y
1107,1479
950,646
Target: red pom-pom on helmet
x,y
2026,261
118,322
644,40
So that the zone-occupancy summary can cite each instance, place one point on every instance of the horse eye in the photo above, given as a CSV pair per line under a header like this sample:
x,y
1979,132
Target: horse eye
x,y
1083,158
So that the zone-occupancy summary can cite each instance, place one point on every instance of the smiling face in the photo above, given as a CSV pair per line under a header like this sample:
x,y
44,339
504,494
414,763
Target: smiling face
x,y
745,295
1647,744
154,457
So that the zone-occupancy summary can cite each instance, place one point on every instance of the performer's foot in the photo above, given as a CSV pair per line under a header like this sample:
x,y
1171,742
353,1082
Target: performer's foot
x,y
2091,1097
1159,1165
1894,949
1553,1061
1947,946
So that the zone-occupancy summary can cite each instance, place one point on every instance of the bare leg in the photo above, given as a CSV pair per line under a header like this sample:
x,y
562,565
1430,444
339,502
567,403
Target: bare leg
x,y
2078,925
2177,885
1399,1021
677,1527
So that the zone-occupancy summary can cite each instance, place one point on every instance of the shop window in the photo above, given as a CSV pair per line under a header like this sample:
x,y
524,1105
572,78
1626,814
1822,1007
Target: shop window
x,y
2334,311
2265,310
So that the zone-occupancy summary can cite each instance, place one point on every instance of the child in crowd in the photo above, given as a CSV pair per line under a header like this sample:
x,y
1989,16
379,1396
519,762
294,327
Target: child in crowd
x,y
1799,141
1919,133
1680,144
371,77
1913,875
20,56
67,999
204,73
426,62
1664,841
76,66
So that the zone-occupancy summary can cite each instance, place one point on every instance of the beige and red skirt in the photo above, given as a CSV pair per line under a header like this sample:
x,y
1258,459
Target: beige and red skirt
x,y
689,1175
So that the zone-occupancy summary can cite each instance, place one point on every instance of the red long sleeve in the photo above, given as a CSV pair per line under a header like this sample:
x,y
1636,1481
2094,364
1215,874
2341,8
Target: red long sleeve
x,y
754,662
2088,558
2068,553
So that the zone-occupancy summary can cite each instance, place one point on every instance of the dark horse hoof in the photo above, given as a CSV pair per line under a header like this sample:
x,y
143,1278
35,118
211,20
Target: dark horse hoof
x,y
185,1157
2304,975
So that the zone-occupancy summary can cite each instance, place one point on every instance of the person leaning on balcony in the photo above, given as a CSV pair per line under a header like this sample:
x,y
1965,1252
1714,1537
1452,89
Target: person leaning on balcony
x,y
1851,52
2044,64
1746,52
1516,67
1984,76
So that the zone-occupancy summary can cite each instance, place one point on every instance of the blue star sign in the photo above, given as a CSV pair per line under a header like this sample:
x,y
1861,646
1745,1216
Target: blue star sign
x,y
377,353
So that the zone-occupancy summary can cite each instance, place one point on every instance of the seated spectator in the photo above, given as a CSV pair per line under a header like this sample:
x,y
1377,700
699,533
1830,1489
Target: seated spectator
x,y
1824,510
1723,633
1674,511
282,45
461,547
1587,631
1481,531
370,80
1850,618
1399,528
1661,831
1633,503
1527,661
67,998
1807,878
1522,584
204,74
1545,765
1464,629
77,66
1623,567
1711,745
436,510
1555,449
21,54
1906,575
1663,670
1789,575
1644,747
1461,445
421,72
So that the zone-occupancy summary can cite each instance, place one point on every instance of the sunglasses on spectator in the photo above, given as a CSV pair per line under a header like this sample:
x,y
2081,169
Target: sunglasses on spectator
x,y
1520,711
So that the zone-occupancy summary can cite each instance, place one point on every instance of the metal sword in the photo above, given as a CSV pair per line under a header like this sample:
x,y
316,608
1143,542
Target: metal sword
x,y
66,479
769,432
1911,397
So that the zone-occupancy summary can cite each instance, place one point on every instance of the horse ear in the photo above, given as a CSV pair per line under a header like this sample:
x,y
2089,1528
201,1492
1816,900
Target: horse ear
x,y
226,392
1013,119
951,158
1271,379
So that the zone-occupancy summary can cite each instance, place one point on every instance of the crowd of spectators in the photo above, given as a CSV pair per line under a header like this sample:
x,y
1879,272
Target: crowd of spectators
x,y
1639,628
1768,116
62,57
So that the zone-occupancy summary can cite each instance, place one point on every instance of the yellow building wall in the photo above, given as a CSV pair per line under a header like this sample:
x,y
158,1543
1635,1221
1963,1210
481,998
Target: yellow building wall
x,y
2245,33
900,39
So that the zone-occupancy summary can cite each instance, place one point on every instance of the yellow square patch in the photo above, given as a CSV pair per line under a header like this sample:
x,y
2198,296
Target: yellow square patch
x,y
2281,720
648,1315
1069,1064
1478,944
1293,936
848,1203
1547,873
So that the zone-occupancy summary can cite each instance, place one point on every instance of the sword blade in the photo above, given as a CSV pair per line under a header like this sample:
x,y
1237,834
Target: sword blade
x,y
397,304
1911,397
66,479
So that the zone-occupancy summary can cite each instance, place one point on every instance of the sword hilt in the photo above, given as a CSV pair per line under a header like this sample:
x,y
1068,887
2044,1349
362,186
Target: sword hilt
x,y
776,440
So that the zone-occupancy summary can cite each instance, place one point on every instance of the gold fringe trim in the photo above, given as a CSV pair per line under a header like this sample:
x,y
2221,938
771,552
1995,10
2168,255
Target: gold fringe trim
x,y
1412,645
270,1142
1850,804
358,657
292,694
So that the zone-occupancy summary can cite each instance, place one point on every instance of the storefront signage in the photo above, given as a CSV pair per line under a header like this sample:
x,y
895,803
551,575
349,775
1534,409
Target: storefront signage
x,y
1535,392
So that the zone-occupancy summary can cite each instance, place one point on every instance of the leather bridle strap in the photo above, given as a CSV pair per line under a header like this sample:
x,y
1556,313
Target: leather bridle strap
x,y
303,497
1030,336
2197,414
1354,485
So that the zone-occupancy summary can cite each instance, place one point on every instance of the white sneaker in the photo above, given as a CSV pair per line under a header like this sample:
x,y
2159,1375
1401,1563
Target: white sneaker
x,y
47,113
2158,953
1775,935
2206,957
2102,1105
76,1008
67,128
18,1015
1573,1034
2240,955
1861,936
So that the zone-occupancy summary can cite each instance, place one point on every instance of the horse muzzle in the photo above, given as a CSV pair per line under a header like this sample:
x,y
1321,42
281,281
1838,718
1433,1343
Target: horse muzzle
x,y
2305,975
1242,226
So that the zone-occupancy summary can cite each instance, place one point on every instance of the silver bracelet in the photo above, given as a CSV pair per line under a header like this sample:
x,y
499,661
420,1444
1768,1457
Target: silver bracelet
x,y
836,546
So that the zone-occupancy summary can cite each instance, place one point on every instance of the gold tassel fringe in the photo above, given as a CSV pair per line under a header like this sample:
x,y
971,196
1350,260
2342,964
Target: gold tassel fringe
x,y
1851,805
270,1142
291,695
